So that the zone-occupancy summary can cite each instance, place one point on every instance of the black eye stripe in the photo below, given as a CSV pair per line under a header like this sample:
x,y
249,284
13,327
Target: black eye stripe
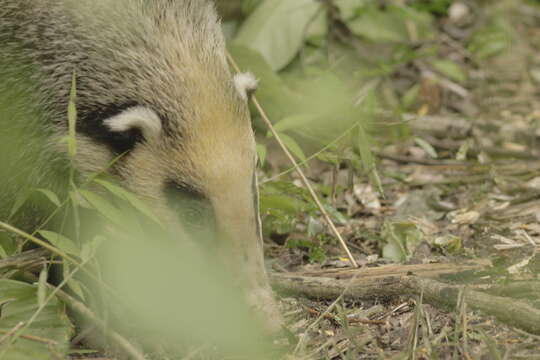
x,y
98,113
90,122
185,188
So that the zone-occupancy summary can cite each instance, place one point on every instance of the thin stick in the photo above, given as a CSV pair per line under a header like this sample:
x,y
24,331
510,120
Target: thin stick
x,y
11,332
39,242
511,311
298,171
24,336
117,338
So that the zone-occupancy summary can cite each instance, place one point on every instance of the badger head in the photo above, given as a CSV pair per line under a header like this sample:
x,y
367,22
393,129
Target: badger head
x,y
154,89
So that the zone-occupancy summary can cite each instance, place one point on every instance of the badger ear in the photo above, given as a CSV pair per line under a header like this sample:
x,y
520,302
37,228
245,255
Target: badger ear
x,y
246,84
136,118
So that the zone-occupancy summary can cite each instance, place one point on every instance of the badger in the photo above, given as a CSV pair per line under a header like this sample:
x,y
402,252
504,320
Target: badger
x,y
157,106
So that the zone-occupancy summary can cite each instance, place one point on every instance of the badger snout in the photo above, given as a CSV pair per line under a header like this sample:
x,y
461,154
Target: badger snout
x,y
237,218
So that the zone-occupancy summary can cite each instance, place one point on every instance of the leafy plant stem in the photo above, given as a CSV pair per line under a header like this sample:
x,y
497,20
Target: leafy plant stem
x,y
80,308
60,253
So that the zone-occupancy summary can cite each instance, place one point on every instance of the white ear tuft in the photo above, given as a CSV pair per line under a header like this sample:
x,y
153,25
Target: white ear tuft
x,y
138,117
245,83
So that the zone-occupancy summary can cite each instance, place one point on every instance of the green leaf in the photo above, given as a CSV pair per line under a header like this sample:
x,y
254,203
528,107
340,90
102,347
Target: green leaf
x,y
51,196
316,253
430,150
42,286
51,324
450,243
89,248
293,147
129,197
450,69
21,198
296,121
277,29
72,283
249,5
261,153
348,8
3,252
285,203
338,217
401,238
463,150
410,96
8,245
492,39
61,242
392,24
104,207
368,161
327,110
78,200
314,226
394,251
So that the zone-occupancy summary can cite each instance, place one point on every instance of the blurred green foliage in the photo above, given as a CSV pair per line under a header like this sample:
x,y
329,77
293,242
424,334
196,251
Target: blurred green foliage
x,y
119,259
326,74
21,311
435,7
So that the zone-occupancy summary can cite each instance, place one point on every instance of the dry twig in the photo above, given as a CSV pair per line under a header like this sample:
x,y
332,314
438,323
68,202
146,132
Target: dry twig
x,y
299,171
394,280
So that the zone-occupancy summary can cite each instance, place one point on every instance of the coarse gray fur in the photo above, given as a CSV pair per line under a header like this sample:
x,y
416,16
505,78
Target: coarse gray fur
x,y
121,51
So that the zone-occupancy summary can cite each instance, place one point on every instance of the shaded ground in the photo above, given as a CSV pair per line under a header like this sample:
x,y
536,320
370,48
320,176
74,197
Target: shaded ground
x,y
465,186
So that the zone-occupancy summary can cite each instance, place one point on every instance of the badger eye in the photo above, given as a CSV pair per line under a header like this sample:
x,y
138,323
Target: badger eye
x,y
194,209
195,213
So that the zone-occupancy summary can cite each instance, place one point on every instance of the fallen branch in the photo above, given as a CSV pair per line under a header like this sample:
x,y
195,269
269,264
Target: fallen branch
x,y
26,259
382,281
390,281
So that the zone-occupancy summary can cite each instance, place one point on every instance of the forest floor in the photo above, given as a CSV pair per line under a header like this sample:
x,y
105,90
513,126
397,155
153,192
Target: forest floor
x,y
465,186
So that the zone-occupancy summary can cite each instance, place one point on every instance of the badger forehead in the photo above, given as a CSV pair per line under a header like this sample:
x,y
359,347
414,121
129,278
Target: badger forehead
x,y
145,71
122,49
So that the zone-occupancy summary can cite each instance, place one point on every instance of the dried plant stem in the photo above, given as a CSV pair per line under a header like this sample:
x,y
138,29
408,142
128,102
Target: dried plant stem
x,y
54,250
306,183
39,242
299,172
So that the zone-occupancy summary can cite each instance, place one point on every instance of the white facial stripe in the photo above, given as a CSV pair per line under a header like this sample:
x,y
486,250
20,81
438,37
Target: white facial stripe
x,y
136,117
245,83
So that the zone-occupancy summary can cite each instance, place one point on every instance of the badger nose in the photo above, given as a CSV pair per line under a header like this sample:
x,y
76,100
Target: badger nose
x,y
262,301
243,254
